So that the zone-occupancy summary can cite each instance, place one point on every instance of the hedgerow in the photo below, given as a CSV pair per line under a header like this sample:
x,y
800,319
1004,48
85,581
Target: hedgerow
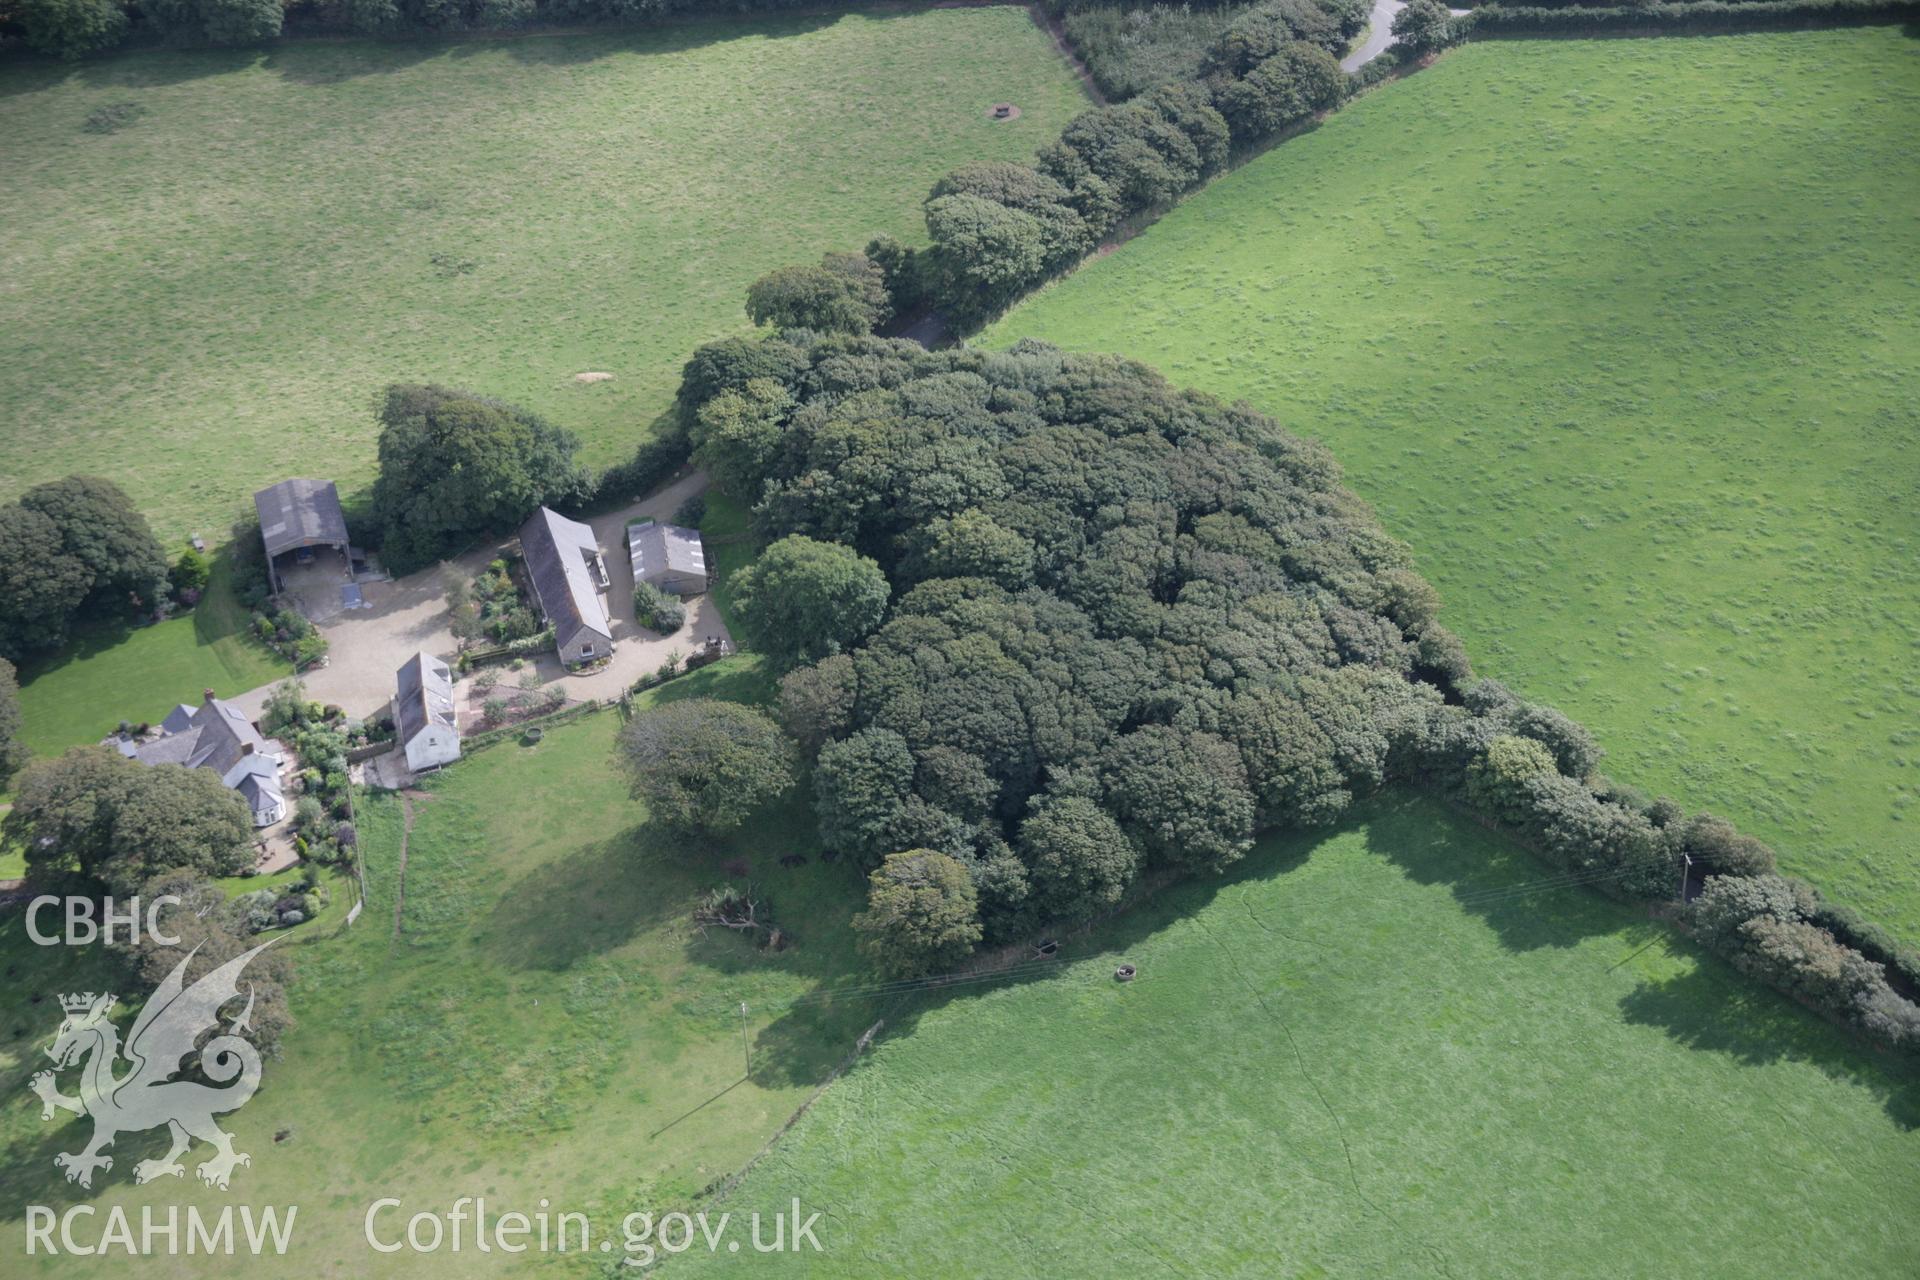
x,y
1689,15
998,230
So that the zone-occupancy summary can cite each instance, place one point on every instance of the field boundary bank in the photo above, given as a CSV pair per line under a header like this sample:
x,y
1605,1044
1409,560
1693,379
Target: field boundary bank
x,y
725,1186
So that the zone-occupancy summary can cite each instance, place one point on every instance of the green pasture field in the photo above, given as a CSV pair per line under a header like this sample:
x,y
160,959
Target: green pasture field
x,y
1623,336
547,1023
1366,1054
209,299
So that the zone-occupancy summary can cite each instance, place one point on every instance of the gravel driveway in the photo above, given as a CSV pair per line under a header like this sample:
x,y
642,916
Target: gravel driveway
x,y
366,646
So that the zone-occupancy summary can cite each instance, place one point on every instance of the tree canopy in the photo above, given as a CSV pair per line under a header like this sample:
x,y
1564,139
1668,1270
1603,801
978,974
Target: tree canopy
x,y
1423,27
807,599
921,914
1128,625
846,293
100,528
93,812
704,766
71,549
455,465
13,751
1132,627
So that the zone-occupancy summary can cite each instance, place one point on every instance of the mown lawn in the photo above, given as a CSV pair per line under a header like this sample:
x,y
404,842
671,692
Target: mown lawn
x,y
209,299
1369,1054
1622,337
110,674
546,1024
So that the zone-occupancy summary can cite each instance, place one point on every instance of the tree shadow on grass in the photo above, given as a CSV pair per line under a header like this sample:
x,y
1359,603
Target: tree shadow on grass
x,y
31,1177
594,900
329,58
1527,902
817,1031
1714,1009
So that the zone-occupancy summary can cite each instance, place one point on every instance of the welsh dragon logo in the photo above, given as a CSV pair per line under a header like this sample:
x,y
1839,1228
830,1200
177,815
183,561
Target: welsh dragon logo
x,y
146,1097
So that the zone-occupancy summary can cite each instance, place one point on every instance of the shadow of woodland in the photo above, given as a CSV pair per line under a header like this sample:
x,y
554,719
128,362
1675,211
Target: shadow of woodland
x,y
314,58
1711,1008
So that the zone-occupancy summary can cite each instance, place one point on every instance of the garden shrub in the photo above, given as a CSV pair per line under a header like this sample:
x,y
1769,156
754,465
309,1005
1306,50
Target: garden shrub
x,y
656,610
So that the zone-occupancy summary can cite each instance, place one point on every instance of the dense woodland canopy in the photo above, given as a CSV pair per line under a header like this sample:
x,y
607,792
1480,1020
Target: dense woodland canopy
x,y
455,465
1129,627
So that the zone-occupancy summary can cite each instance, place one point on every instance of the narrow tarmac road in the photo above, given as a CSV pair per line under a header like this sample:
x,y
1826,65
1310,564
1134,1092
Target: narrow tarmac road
x,y
1379,34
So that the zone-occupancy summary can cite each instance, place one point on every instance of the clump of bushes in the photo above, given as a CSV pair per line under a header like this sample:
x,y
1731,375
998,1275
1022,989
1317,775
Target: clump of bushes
x,y
1765,926
658,611
290,634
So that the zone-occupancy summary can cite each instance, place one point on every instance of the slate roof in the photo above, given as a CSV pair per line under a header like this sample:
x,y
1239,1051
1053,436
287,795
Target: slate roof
x,y
257,777
425,696
659,549
217,735
300,513
557,551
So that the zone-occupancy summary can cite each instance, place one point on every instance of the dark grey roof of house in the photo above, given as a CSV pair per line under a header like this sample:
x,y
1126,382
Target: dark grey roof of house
x,y
658,549
425,696
261,781
217,738
300,513
556,551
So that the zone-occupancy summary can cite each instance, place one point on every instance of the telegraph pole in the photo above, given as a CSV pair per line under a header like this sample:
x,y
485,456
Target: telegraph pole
x,y
746,1045
1686,869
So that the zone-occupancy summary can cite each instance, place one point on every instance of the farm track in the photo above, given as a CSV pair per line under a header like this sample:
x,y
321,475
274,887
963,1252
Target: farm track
x,y
400,876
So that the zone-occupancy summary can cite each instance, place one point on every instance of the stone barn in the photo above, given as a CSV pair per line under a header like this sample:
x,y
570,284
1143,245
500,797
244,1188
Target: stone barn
x,y
569,578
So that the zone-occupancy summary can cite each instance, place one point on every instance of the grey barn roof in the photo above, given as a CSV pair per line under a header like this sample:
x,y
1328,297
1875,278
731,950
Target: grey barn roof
x,y
425,696
658,549
556,551
300,513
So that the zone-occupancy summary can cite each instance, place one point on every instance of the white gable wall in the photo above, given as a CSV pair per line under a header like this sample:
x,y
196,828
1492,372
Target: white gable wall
x,y
433,746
